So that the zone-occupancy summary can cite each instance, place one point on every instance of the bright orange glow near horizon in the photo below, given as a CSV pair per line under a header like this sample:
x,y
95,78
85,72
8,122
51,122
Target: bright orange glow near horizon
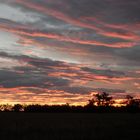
x,y
57,98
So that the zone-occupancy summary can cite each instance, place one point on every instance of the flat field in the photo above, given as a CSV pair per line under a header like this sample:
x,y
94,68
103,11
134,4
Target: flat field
x,y
69,126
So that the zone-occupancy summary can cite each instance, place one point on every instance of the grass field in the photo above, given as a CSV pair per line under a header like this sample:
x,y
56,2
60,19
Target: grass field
x,y
69,126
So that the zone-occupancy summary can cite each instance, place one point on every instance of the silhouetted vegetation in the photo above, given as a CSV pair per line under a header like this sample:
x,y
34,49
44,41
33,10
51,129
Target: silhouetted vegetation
x,y
101,99
132,105
99,103
18,108
66,122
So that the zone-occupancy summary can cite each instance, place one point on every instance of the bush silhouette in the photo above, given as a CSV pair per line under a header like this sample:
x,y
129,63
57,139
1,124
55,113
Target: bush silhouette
x,y
17,108
103,99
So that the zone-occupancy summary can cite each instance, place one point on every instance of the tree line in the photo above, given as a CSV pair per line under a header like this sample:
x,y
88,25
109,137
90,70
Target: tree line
x,y
100,103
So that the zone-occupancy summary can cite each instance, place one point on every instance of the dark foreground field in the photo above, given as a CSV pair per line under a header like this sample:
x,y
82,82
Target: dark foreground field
x,y
66,126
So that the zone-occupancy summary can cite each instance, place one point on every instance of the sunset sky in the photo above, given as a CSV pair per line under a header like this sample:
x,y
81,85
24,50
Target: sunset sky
x,y
63,51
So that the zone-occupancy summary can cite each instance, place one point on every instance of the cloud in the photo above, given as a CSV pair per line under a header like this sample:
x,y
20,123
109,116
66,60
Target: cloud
x,y
22,30
80,14
66,49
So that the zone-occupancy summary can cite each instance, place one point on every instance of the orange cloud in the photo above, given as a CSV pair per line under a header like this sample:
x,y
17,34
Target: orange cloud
x,y
78,22
22,32
127,34
50,97
23,96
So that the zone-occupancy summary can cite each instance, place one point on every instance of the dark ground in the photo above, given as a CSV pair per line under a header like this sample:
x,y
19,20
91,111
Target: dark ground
x,y
69,126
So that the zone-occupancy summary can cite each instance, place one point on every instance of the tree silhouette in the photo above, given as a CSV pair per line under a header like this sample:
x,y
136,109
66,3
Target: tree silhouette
x,y
129,99
103,99
131,102
91,102
17,108
6,107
